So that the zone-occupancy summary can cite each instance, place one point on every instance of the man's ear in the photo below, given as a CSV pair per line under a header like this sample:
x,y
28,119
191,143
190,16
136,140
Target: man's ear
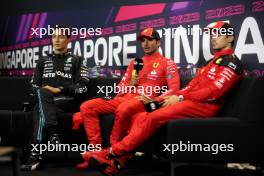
x,y
69,39
158,42
230,38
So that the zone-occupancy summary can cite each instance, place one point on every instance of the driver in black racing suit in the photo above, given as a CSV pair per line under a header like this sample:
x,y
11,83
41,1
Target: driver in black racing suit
x,y
57,78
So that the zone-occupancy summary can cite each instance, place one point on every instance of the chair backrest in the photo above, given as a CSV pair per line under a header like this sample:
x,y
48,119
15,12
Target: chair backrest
x,y
252,107
235,97
244,100
13,92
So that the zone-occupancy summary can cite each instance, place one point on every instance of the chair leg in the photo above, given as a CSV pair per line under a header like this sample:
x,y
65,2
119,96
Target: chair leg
x,y
15,164
172,169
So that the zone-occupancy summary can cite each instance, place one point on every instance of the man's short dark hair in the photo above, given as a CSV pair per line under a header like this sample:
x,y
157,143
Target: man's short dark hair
x,y
149,33
228,26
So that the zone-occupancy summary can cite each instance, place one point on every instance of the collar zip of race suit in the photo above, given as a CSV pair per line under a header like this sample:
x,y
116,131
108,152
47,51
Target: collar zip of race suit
x,y
217,54
61,55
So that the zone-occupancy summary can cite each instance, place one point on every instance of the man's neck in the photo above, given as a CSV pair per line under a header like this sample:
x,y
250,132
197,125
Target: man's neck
x,y
155,52
60,52
223,51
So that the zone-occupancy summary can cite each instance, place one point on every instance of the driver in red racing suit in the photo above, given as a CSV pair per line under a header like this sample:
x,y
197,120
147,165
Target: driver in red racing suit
x,y
157,73
202,97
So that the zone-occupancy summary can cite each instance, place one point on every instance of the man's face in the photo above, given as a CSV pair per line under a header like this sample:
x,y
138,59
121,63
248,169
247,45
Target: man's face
x,y
59,41
149,45
221,41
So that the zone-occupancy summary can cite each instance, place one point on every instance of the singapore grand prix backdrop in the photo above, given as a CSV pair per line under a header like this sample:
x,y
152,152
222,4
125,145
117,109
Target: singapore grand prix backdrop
x,y
107,36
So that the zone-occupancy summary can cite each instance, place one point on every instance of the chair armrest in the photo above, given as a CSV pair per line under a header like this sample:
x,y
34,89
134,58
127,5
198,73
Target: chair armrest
x,y
201,129
204,132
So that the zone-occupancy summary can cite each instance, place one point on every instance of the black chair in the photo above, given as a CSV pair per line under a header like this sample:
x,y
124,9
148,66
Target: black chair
x,y
240,122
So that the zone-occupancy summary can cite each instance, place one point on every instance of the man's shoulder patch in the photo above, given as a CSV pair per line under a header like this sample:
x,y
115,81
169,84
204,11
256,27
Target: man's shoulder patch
x,y
230,61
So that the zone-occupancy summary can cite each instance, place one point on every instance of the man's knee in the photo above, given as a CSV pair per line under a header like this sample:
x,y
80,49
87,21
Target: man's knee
x,y
129,106
44,91
85,106
90,105
46,95
122,109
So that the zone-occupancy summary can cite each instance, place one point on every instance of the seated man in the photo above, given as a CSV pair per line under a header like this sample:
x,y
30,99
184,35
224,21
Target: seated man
x,y
202,97
57,79
157,72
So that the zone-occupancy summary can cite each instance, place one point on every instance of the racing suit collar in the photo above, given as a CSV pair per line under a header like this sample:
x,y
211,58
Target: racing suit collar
x,y
217,54
61,54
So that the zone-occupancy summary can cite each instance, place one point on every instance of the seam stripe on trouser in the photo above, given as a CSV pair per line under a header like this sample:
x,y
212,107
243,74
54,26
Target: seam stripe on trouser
x,y
42,119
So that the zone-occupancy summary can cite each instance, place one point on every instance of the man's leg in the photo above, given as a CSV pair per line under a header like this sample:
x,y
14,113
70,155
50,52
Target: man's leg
x,y
123,115
77,120
146,124
90,110
44,116
143,126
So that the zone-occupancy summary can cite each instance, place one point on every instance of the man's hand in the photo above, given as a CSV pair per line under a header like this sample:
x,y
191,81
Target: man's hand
x,y
144,99
170,100
52,89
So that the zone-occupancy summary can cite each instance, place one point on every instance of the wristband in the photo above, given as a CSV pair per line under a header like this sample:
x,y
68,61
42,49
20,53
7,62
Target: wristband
x,y
181,98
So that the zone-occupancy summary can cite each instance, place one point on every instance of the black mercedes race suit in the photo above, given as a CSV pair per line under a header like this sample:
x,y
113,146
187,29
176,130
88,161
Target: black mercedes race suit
x,y
64,71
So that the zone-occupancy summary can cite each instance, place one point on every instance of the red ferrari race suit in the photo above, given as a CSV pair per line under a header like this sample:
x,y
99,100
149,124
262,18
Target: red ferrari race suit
x,y
203,97
157,71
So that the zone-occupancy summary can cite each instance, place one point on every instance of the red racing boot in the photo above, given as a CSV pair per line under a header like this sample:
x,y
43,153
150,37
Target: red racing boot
x,y
99,159
87,156
94,159
116,164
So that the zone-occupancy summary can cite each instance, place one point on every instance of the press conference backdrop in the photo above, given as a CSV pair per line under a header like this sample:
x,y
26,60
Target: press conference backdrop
x,y
107,36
